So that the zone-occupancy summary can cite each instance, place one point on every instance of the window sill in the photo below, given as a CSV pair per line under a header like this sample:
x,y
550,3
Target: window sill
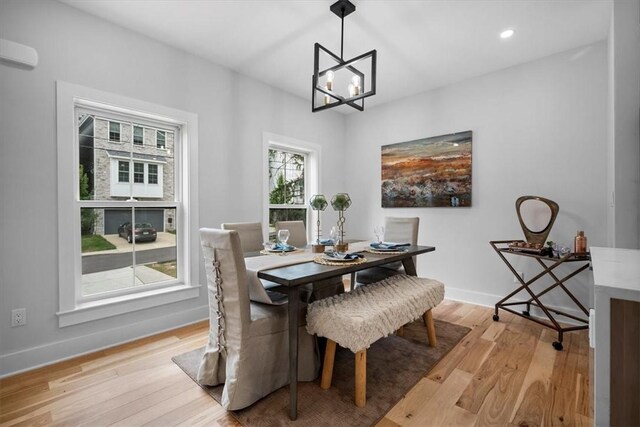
x,y
101,309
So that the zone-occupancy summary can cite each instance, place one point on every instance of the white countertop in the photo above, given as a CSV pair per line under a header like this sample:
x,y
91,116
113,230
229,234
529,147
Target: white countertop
x,y
616,268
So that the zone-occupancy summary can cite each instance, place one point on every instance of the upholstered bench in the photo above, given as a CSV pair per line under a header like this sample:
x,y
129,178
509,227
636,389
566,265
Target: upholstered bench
x,y
357,319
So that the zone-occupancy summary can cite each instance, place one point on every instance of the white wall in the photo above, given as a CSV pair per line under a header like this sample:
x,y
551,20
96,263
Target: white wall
x,y
78,48
538,129
624,135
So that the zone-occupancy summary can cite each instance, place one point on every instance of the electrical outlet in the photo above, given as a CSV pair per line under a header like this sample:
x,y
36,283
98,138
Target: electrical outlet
x,y
515,279
19,317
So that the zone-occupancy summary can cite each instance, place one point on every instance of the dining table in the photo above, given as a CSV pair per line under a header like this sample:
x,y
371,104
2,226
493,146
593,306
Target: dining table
x,y
303,270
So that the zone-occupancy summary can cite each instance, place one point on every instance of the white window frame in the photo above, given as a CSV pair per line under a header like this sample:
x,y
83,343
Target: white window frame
x,y
119,131
312,180
157,173
164,135
136,190
128,164
73,308
143,164
133,135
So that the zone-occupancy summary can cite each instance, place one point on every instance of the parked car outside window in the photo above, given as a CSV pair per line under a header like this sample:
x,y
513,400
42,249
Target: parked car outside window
x,y
144,232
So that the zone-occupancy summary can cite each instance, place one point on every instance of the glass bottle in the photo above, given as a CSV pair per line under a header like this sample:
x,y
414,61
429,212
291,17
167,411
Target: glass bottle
x,y
580,243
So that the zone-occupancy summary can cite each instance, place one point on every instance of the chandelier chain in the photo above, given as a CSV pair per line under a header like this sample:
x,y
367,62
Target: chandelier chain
x,y
342,36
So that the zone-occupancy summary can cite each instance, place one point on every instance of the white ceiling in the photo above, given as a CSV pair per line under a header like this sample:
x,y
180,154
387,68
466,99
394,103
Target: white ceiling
x,y
421,44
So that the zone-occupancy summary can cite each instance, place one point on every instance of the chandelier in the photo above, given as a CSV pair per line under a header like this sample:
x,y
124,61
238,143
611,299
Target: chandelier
x,y
336,81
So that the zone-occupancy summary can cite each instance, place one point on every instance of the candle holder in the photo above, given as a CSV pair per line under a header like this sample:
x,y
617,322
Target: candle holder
x,y
340,203
318,203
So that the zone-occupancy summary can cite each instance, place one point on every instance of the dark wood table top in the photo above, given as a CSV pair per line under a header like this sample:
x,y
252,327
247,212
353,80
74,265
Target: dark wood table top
x,y
300,274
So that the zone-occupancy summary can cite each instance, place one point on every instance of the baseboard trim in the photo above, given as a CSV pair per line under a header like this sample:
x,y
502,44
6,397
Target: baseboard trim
x,y
48,354
489,300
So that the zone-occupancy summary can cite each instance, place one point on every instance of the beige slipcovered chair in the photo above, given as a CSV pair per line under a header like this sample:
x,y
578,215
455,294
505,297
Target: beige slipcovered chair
x,y
297,232
248,348
398,230
251,237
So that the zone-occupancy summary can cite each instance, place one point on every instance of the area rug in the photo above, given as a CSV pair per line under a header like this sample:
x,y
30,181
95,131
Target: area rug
x,y
394,365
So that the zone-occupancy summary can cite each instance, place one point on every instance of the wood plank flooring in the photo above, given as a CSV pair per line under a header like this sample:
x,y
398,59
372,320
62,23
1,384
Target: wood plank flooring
x,y
502,373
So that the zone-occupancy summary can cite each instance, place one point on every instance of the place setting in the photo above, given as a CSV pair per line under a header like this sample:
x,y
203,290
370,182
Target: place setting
x,y
336,256
340,258
382,247
280,247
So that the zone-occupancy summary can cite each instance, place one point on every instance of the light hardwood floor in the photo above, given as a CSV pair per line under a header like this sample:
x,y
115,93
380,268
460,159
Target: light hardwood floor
x,y
502,373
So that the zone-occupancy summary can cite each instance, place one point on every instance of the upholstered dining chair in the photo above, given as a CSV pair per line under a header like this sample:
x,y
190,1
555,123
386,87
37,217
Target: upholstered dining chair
x,y
251,237
248,347
297,232
399,230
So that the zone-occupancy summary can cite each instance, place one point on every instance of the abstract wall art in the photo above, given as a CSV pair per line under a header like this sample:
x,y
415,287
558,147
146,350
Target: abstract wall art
x,y
429,172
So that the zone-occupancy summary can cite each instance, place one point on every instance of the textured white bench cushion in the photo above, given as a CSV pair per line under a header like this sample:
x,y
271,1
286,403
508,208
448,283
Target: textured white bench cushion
x,y
357,319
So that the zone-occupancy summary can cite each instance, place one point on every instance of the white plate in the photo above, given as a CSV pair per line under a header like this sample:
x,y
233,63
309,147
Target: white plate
x,y
330,258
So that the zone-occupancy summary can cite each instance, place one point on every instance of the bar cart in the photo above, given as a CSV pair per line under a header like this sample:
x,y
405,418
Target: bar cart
x,y
580,262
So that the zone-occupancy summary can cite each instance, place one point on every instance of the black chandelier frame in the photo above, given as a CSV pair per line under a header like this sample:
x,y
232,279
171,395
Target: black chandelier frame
x,y
341,8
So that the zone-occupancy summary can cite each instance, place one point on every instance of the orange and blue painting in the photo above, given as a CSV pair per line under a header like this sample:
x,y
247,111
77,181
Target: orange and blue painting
x,y
429,172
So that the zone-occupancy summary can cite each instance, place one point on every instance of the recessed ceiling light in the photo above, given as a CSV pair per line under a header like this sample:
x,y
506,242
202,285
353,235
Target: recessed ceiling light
x,y
507,33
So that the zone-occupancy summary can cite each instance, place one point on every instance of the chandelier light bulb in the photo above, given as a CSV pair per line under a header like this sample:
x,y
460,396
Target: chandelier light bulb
x,y
356,84
329,80
352,90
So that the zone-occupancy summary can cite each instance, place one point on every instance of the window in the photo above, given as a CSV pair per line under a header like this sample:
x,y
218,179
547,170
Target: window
x,y
286,187
160,139
94,219
153,174
119,213
138,135
291,178
138,172
113,174
114,131
123,171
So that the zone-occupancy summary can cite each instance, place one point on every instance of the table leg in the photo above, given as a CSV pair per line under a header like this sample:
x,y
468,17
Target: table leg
x,y
409,266
294,296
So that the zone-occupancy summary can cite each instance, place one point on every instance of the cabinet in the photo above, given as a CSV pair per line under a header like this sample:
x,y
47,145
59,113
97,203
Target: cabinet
x,y
616,274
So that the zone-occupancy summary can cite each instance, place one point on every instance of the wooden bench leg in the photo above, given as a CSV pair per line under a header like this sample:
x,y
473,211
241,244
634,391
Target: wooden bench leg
x,y
361,378
431,328
327,368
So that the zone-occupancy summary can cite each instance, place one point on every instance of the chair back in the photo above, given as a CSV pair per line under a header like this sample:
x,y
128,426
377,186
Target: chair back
x,y
297,232
402,230
251,237
223,247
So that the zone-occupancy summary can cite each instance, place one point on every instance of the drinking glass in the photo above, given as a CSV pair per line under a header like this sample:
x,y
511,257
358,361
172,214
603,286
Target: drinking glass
x,y
334,235
283,236
378,230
